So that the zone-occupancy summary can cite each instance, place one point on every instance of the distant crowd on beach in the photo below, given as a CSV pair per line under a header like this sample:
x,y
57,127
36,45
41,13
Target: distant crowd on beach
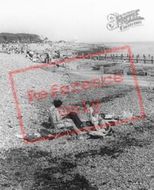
x,y
16,48
43,56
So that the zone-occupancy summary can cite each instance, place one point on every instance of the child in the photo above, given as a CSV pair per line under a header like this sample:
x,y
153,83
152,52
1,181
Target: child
x,y
97,120
93,116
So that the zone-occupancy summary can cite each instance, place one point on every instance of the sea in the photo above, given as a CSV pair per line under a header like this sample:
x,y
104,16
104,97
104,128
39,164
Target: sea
x,y
146,48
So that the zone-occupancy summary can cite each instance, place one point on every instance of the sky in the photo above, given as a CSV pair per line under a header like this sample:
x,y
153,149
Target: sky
x,y
77,20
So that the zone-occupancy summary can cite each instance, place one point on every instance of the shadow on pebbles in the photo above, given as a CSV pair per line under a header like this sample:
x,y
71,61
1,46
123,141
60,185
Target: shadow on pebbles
x,y
92,164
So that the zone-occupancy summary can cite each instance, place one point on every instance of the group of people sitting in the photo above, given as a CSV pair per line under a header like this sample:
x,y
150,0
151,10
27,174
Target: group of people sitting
x,y
14,48
95,121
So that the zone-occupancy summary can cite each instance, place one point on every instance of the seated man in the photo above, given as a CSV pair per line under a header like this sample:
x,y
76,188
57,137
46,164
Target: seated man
x,y
56,118
29,54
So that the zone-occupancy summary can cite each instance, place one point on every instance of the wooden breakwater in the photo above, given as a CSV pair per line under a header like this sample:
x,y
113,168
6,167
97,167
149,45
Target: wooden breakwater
x,y
120,63
123,57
